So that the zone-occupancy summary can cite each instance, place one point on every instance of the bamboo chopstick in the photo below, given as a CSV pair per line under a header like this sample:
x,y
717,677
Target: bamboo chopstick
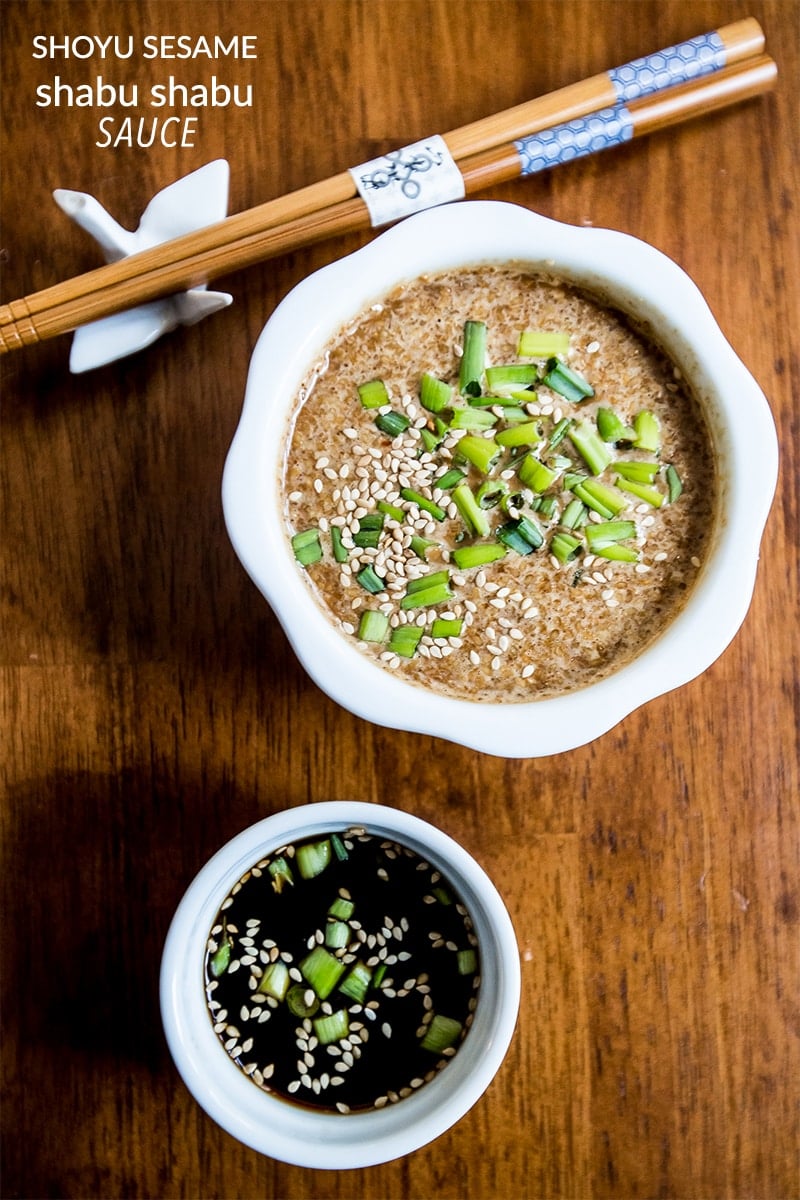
x,y
313,213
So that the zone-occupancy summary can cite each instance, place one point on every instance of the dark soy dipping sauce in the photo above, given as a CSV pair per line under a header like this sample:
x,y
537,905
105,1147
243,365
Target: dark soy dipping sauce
x,y
408,927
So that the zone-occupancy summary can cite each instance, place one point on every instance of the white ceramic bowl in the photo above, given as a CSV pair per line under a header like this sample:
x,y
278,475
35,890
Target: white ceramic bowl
x,y
300,1135
632,276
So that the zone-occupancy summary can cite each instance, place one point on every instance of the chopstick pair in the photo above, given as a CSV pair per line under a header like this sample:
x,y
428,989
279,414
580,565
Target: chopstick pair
x,y
576,120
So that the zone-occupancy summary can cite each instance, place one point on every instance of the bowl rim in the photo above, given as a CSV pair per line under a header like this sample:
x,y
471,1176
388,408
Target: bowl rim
x,y
291,1133
631,274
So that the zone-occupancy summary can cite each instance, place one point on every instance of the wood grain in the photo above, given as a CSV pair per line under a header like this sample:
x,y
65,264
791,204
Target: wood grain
x,y
151,706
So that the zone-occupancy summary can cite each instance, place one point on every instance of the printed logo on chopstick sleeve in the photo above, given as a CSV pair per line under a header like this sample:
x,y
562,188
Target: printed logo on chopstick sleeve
x,y
677,64
406,181
574,139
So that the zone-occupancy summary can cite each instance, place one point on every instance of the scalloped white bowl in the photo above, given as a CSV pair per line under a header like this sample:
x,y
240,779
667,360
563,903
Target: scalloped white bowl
x,y
303,1136
632,276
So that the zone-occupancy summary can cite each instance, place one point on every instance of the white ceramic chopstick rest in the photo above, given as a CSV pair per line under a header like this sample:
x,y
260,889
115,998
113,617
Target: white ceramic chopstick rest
x,y
196,200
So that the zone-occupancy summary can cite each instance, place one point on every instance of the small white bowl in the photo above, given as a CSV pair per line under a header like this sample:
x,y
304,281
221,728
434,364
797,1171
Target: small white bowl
x,y
630,275
300,1135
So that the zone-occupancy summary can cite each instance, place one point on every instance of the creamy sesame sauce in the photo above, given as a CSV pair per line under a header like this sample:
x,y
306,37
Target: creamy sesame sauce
x,y
531,626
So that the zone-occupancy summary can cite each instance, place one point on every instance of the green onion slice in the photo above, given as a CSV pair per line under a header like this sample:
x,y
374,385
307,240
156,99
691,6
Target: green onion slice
x,y
299,1003
590,446
447,627
332,1028
307,547
441,1033
313,857
404,640
373,626
478,555
275,981
542,343
567,383
373,393
281,874
480,451
434,394
471,512
473,359
337,934
356,982
392,423
322,971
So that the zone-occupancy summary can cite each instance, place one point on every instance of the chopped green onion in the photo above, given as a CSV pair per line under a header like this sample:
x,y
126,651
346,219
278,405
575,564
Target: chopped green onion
x,y
535,474
404,640
508,401
427,591
368,534
441,1033
312,858
530,531
471,512
480,451
421,545
307,547
275,981
510,536
221,959
370,580
547,506
446,627
674,484
604,533
612,428
339,849
590,446
430,440
392,423
473,359
442,895
566,382
478,555
423,503
434,394
373,626
565,547
491,492
542,343
300,1003
512,375
423,582
648,431
600,497
473,419
332,1028
449,479
373,393
341,909
641,472
643,491
377,978
574,514
467,962
560,431
617,552
391,510
322,971
281,874
337,934
525,434
355,983
340,554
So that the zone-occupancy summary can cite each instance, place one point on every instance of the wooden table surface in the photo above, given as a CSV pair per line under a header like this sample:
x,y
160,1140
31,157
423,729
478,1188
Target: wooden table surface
x,y
152,708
